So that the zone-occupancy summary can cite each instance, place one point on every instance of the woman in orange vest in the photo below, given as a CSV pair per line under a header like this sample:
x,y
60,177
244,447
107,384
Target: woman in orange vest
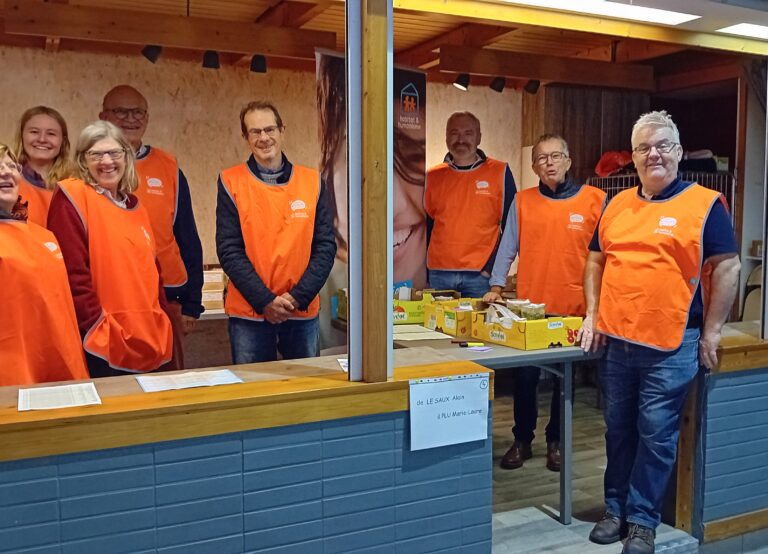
x,y
35,295
42,147
109,250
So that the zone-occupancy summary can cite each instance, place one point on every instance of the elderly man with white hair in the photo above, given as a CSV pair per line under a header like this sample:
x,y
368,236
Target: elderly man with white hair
x,y
654,250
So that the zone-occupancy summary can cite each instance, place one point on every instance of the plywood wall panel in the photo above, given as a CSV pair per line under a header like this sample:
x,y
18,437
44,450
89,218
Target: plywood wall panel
x,y
499,115
193,111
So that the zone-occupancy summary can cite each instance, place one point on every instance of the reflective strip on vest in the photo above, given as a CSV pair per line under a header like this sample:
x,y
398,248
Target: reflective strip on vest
x,y
278,224
133,332
39,339
158,191
653,265
38,201
467,207
554,236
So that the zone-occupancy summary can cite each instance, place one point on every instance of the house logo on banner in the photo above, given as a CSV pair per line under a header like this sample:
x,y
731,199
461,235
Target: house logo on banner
x,y
408,118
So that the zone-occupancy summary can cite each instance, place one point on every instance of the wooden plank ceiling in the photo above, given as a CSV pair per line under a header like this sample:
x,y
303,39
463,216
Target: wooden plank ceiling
x,y
280,30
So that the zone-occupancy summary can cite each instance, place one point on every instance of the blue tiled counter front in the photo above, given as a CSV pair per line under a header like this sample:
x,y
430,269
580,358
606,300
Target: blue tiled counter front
x,y
346,485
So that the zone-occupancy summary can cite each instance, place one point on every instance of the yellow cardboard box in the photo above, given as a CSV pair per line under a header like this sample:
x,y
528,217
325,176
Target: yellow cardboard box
x,y
214,279
447,316
412,311
213,299
536,334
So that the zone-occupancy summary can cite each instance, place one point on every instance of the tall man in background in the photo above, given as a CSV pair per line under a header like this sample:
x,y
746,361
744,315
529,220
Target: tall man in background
x,y
163,190
467,199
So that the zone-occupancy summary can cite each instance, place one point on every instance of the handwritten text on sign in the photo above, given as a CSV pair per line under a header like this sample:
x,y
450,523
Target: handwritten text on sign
x,y
448,410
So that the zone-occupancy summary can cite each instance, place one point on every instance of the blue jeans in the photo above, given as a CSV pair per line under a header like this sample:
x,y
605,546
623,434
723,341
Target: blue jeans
x,y
644,391
471,284
526,405
259,341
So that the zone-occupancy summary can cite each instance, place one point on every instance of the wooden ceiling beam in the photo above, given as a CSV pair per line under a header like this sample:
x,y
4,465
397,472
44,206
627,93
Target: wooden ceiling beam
x,y
290,13
628,51
37,18
698,77
475,35
456,59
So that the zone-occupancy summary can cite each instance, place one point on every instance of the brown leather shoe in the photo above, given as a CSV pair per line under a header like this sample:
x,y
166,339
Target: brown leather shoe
x,y
553,456
516,455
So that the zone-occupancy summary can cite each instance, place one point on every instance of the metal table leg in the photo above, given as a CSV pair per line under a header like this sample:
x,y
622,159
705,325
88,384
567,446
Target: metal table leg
x,y
566,442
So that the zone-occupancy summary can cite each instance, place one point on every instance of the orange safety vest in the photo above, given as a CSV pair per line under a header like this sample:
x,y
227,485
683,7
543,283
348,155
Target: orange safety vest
x,y
38,199
133,333
158,192
653,265
467,207
39,340
554,236
278,223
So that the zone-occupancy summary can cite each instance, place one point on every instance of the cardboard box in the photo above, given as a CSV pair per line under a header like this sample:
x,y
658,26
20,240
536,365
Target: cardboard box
x,y
447,317
412,311
213,299
536,334
214,279
341,310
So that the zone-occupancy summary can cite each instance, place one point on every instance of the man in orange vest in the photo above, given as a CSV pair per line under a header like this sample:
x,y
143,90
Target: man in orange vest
x,y
467,198
653,245
164,192
276,242
549,227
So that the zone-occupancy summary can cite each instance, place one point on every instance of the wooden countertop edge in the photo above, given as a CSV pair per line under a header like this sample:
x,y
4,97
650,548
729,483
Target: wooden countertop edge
x,y
742,358
148,418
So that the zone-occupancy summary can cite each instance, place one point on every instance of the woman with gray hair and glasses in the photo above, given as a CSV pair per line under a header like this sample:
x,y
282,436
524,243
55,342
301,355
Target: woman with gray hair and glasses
x,y
109,251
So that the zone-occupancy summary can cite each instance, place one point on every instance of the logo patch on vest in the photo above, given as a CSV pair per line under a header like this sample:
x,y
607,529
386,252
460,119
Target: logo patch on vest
x,y
53,247
576,221
666,224
155,186
299,208
482,187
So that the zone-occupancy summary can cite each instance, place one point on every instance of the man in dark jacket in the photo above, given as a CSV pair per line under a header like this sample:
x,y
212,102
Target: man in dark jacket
x,y
275,241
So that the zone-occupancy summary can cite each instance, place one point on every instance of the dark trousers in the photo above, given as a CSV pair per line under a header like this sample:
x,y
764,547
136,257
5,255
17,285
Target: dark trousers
x,y
526,408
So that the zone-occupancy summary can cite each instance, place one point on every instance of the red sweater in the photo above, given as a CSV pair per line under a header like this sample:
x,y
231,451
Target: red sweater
x,y
65,223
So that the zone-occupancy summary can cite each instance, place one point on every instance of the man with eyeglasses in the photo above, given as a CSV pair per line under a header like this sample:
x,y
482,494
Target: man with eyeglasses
x,y
549,227
163,190
466,198
653,247
276,242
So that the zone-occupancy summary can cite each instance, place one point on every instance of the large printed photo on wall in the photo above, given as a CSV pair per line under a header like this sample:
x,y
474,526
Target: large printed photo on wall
x,y
409,155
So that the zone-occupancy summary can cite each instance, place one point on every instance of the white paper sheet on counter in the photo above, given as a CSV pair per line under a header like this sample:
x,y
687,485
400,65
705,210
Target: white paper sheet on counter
x,y
64,396
188,380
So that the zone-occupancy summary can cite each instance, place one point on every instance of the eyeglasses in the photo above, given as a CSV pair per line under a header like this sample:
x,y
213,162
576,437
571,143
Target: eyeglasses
x,y
98,155
663,147
270,131
10,166
123,113
542,159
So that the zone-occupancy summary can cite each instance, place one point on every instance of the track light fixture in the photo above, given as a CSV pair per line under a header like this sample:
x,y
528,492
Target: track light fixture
x,y
462,81
532,86
498,84
152,52
211,59
258,64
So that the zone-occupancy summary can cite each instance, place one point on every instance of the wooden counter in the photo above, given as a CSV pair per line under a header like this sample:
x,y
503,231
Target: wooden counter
x,y
295,459
272,395
741,347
